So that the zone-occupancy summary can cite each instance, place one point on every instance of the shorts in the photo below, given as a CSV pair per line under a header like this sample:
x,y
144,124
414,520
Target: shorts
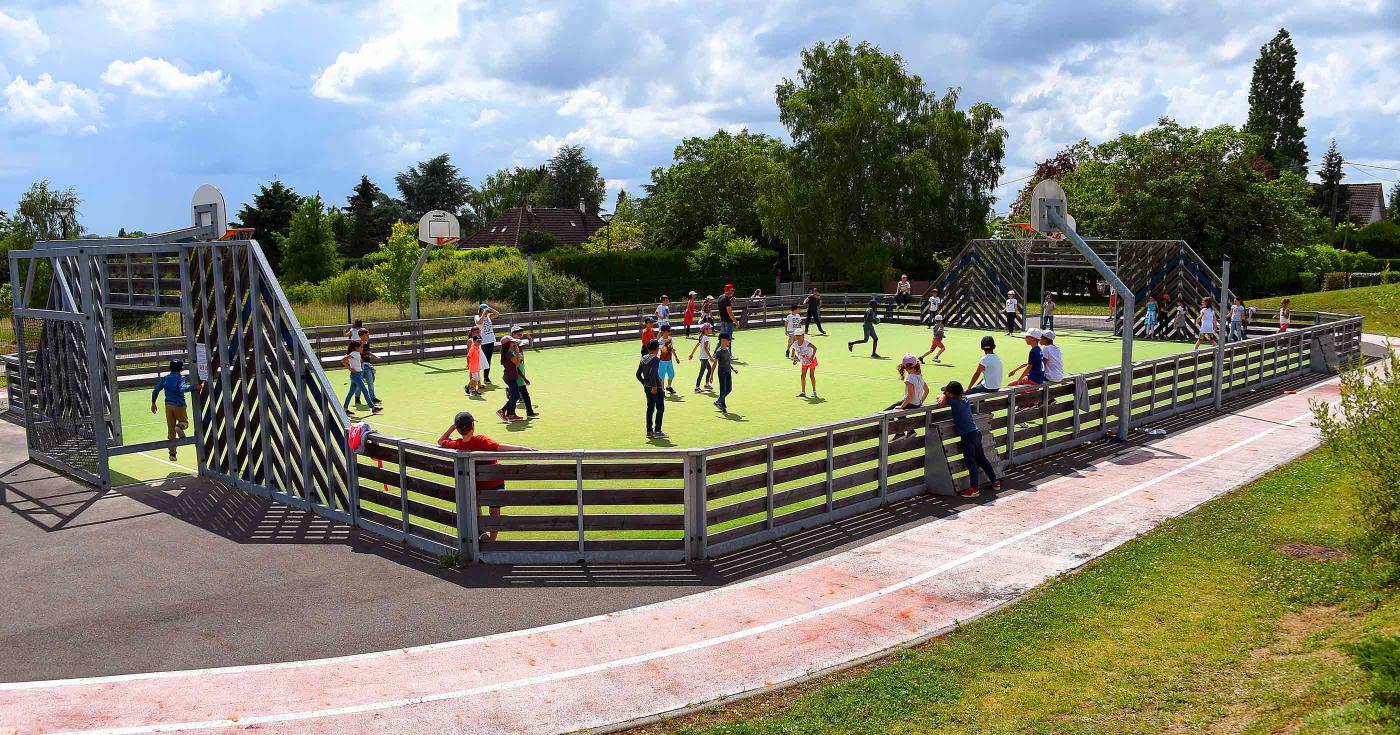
x,y
666,370
810,365
476,376
937,344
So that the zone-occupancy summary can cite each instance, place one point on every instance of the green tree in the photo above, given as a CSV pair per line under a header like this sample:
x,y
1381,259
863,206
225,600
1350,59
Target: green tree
x,y
270,214
1380,238
433,184
1331,197
365,231
882,168
43,213
722,249
1177,182
1276,106
394,260
714,180
507,188
308,249
573,179
1392,211
535,240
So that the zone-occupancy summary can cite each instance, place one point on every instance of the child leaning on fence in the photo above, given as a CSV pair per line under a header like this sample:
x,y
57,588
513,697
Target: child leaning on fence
x,y
969,439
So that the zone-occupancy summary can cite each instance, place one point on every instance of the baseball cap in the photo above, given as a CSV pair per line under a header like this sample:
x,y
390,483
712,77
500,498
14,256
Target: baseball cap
x,y
728,287
692,293
707,327
1048,334
799,333
653,344
938,317
650,320
988,343
910,360
464,421
484,305
1032,332
516,328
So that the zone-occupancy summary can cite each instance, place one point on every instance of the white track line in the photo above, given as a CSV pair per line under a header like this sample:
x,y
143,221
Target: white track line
x,y
701,644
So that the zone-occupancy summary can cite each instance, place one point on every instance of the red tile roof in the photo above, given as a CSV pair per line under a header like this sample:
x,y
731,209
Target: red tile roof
x,y
568,226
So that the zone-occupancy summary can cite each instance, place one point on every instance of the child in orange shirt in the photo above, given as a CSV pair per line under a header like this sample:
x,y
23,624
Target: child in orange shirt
x,y
648,332
473,387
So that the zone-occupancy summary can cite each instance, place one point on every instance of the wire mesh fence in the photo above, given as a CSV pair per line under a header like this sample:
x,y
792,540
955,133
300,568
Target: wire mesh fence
x,y
53,384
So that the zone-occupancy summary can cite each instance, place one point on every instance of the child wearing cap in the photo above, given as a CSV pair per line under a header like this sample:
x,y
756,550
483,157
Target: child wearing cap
x,y
969,439
901,291
705,347
804,353
934,302
1054,359
488,337
792,324
470,441
915,387
1033,372
937,343
1010,310
648,332
724,365
689,317
868,325
354,361
989,369
649,375
177,417
668,357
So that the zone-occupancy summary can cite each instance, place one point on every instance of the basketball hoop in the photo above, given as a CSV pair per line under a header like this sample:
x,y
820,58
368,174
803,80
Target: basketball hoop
x,y
446,240
1022,237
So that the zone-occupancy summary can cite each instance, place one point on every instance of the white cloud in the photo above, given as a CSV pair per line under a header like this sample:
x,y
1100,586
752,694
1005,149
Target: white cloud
x,y
21,38
147,15
147,77
55,107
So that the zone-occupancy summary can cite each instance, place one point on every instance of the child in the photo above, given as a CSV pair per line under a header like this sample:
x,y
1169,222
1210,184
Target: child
x,y
1010,310
804,351
649,375
1179,319
707,310
1149,324
663,312
354,362
1236,332
465,424
1054,359
516,352
689,317
1047,312
969,439
814,311
915,388
868,325
934,302
484,322
937,344
724,365
1285,314
370,372
1034,373
989,369
707,365
177,417
793,324
667,356
1205,323
648,332
473,387
902,291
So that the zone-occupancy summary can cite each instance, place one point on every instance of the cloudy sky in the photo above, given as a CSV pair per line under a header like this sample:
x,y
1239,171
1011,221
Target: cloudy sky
x,y
136,102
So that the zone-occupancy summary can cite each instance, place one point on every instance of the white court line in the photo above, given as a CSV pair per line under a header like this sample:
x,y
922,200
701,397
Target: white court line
x,y
701,644
428,647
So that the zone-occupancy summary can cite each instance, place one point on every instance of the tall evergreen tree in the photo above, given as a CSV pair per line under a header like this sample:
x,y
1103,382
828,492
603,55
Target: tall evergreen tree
x,y
1331,197
363,235
270,214
433,184
1392,211
1276,106
308,248
573,179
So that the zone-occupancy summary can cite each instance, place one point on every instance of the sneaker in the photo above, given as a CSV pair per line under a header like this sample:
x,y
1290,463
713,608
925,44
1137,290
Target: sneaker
x,y
850,346
651,435
801,395
970,492
671,390
502,414
874,356
377,400
532,414
466,390
938,359
174,458
996,486
376,410
514,417
661,435
698,389
814,395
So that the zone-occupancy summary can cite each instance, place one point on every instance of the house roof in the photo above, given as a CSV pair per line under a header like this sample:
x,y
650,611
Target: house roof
x,y
1365,202
568,226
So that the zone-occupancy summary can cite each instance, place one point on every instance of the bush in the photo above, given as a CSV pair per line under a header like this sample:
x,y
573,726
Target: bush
x,y
301,293
1390,277
7,302
1334,281
1308,282
1363,433
641,275
1379,656
465,278
1381,239
354,286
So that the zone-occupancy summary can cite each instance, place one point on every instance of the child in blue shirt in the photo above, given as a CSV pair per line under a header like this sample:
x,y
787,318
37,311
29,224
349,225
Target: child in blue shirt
x,y
969,439
177,417
1035,362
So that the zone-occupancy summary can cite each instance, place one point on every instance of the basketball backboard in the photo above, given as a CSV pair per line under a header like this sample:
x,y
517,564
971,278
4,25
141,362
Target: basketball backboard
x,y
1047,196
207,209
438,227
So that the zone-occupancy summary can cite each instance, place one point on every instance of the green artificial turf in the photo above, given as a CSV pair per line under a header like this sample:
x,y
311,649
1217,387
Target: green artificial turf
x,y
588,396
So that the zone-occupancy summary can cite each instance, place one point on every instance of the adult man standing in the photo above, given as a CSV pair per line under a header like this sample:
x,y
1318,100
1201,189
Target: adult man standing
x,y
814,312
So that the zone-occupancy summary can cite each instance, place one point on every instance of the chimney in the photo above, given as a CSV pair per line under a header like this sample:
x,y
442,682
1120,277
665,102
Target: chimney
x,y
581,208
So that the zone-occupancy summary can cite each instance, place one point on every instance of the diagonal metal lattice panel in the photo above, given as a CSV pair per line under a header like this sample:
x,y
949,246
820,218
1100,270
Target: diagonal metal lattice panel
x,y
53,374
974,287
268,420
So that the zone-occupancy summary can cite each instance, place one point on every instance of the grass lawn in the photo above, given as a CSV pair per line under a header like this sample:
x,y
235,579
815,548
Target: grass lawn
x,y
588,396
1379,304
1201,625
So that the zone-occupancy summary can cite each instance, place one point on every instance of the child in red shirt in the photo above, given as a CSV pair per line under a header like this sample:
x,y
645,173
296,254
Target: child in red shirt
x,y
648,332
470,441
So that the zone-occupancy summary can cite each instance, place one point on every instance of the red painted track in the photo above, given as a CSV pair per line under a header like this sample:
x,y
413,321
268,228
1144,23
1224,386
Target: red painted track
x,y
612,669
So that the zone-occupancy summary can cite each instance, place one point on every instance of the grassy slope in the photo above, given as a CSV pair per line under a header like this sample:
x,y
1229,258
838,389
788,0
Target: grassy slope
x,y
588,397
1379,304
1199,626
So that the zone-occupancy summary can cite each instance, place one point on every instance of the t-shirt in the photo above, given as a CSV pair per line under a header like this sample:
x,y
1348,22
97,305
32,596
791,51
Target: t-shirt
x,y
1011,306
793,321
724,358
1152,310
902,287
663,313
1208,320
1180,314
512,371
1283,315
474,357
934,302
805,352
726,302
1236,313
992,371
356,362
916,380
938,330
705,346
1054,362
1048,308
647,334
668,350
689,310
488,332
963,423
814,302
1037,363
477,443
871,317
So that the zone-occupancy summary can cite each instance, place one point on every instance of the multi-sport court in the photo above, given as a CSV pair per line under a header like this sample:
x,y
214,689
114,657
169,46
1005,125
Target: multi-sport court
x,y
588,396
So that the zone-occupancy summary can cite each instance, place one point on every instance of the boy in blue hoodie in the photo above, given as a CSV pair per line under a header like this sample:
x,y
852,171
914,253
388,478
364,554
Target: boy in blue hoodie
x,y
177,417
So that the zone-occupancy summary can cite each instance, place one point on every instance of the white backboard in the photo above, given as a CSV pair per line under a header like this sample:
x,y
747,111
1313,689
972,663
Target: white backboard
x,y
1047,195
207,207
438,224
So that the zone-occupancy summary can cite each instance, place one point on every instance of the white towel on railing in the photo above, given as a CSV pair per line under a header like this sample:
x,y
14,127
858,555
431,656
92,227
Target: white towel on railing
x,y
1081,392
